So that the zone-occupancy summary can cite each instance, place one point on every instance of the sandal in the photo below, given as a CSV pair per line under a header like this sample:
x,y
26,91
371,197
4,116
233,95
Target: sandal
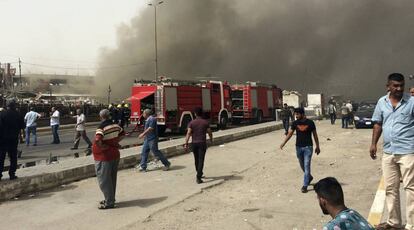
x,y
386,226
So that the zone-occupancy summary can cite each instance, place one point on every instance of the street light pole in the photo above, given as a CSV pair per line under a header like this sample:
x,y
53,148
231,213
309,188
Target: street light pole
x,y
155,36
20,74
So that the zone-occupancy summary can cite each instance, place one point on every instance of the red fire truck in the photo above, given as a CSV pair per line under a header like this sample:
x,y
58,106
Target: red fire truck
x,y
174,101
255,102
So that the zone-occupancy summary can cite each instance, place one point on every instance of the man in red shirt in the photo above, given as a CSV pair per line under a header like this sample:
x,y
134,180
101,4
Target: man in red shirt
x,y
197,130
105,151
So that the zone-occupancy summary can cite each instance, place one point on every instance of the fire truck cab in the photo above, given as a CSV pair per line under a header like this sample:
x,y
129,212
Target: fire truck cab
x,y
173,102
255,102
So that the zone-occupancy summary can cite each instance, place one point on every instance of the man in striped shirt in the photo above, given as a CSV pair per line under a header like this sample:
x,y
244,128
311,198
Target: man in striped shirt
x,y
106,154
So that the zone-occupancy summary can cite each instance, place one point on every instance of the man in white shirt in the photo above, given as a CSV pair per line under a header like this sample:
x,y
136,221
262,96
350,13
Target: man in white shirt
x,y
351,112
30,118
80,130
54,123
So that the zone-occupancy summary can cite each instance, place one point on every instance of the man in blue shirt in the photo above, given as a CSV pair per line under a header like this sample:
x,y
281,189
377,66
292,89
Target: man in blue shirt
x,y
331,201
394,118
150,136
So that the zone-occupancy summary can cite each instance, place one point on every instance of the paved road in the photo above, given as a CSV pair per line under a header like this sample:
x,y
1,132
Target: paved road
x,y
44,147
250,184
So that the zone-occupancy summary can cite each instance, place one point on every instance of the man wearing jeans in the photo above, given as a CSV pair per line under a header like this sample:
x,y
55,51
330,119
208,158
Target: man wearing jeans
x,y
54,123
394,117
150,136
30,118
304,146
285,116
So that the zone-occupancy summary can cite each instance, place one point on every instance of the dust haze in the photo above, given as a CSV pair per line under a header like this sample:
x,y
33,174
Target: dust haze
x,y
335,47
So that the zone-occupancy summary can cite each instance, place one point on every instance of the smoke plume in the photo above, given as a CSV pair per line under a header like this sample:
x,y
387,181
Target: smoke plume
x,y
315,46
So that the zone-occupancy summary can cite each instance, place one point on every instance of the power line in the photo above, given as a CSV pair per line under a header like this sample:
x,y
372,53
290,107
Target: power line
x,y
49,59
84,68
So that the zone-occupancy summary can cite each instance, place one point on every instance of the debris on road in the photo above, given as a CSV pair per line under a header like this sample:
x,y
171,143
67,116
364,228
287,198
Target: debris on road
x,y
191,209
250,209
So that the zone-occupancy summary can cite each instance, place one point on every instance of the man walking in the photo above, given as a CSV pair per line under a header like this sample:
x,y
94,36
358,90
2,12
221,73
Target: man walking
x,y
332,113
331,200
394,117
197,130
80,130
304,128
345,115
54,123
106,154
351,113
150,136
30,118
11,122
285,116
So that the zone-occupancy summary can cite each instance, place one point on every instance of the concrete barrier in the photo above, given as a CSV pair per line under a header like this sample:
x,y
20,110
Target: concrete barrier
x,y
48,129
44,177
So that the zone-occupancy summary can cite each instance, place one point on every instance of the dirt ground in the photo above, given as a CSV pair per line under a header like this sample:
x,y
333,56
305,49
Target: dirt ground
x,y
250,184
267,195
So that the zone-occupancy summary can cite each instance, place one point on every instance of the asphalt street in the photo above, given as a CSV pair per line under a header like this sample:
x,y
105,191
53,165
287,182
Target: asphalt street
x,y
44,147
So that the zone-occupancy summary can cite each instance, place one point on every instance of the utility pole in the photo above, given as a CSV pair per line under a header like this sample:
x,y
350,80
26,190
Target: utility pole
x,y
109,94
20,74
155,32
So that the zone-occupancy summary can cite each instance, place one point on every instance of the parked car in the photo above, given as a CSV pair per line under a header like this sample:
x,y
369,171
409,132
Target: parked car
x,y
363,115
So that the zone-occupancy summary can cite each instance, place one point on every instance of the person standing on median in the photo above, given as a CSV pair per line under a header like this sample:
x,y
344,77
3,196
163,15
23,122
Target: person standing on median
x,y
285,116
332,113
54,123
197,130
11,122
106,154
30,118
304,128
345,112
331,200
80,130
150,136
394,118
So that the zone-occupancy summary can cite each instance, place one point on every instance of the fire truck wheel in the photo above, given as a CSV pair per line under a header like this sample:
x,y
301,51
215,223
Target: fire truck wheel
x,y
223,121
184,124
161,130
259,117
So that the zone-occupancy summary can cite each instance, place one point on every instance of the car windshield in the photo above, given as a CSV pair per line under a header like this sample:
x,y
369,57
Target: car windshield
x,y
366,106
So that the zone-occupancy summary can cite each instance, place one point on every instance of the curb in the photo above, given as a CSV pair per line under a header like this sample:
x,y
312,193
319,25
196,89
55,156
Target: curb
x,y
377,208
39,178
47,129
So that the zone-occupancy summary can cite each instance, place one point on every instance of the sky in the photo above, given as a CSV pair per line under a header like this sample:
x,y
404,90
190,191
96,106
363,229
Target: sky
x,y
61,33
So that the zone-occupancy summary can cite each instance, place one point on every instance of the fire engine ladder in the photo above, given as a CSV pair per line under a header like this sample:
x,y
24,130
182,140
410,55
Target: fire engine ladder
x,y
246,98
159,102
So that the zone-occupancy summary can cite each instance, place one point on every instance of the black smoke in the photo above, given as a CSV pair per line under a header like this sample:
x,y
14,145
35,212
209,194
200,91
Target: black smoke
x,y
334,47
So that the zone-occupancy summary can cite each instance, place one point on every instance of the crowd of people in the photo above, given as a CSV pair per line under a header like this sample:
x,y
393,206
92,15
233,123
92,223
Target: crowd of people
x,y
393,117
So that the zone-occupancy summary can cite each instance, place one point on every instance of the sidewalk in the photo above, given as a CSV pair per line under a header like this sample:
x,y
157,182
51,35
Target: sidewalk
x,y
255,175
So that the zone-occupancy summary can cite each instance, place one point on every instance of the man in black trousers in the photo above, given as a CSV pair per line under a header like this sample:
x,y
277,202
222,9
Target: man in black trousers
x,y
11,123
197,130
